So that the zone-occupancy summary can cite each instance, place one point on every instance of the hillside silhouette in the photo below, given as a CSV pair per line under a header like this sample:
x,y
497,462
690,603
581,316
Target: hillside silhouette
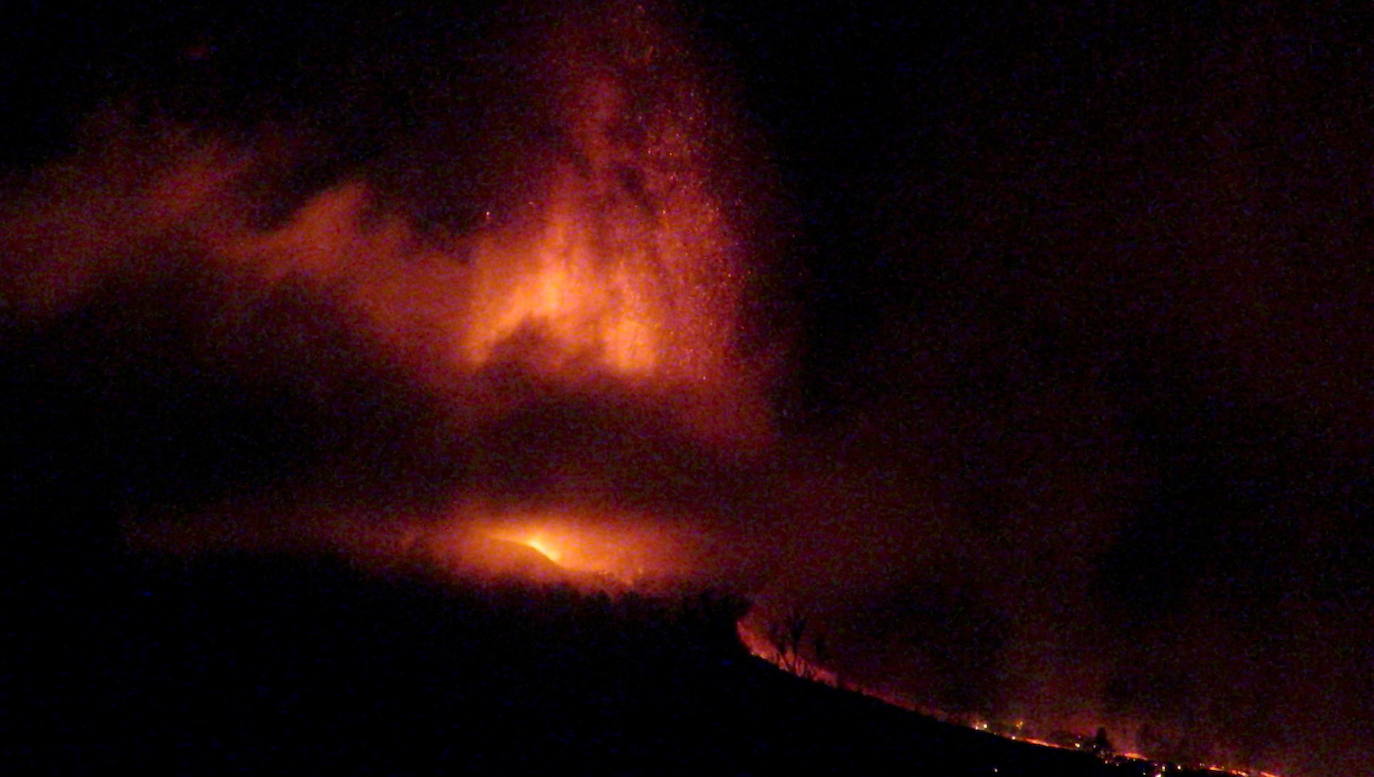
x,y
270,664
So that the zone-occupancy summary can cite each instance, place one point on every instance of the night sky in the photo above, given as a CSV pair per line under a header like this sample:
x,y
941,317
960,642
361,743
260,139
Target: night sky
x,y
1067,311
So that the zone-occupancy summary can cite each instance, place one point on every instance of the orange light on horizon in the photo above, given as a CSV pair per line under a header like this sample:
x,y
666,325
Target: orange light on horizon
x,y
590,547
542,545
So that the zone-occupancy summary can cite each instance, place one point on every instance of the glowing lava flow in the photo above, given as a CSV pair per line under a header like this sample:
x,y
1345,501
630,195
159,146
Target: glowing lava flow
x,y
561,546
542,545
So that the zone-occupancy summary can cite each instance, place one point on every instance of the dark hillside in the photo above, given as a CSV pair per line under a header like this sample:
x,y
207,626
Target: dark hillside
x,y
243,664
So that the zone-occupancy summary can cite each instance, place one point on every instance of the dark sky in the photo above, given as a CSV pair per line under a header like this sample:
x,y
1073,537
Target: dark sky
x,y
1075,298
1092,279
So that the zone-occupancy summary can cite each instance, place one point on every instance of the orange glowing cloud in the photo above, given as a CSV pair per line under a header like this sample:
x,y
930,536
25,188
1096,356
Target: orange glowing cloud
x,y
613,262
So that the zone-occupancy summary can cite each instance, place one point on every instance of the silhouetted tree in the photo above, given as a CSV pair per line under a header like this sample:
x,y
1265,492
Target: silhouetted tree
x,y
1101,745
785,637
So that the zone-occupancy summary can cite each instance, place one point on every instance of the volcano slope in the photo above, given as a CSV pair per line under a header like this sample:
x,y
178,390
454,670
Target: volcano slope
x,y
239,663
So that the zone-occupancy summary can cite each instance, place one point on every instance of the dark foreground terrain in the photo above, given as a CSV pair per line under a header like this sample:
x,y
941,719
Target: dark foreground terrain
x,y
278,665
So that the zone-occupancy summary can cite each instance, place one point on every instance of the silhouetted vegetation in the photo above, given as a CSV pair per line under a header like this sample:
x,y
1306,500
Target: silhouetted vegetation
x,y
785,637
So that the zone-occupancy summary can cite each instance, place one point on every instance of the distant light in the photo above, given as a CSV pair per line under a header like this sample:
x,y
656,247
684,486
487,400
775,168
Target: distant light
x,y
548,551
